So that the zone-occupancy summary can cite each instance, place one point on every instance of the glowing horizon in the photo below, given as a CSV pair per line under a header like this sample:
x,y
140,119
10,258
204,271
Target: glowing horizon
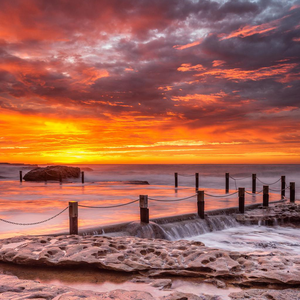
x,y
156,82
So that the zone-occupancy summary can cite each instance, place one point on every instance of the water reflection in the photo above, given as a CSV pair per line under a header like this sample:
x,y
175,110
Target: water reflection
x,y
34,202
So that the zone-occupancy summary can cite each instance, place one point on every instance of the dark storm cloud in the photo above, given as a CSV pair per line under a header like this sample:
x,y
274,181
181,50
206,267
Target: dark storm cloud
x,y
124,57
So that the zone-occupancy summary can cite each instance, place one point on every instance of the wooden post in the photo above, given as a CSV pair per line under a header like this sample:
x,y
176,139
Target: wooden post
x,y
144,211
176,180
282,187
82,177
253,183
292,192
21,177
73,217
197,181
241,200
200,204
227,183
265,195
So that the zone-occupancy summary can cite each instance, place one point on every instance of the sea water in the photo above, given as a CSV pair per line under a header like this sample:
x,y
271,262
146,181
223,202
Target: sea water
x,y
32,202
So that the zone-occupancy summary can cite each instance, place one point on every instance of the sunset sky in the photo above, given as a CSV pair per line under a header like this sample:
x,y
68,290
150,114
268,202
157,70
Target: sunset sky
x,y
160,81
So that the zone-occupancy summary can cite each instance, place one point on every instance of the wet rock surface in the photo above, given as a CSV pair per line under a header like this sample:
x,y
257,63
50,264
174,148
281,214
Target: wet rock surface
x,y
52,173
154,257
280,214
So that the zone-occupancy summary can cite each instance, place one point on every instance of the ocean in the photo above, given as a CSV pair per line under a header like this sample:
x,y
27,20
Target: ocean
x,y
32,202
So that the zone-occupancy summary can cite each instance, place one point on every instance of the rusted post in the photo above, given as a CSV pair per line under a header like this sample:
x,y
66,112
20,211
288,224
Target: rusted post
x,y
292,192
82,177
241,200
21,177
197,180
144,211
265,195
73,217
200,204
227,183
282,187
176,180
253,183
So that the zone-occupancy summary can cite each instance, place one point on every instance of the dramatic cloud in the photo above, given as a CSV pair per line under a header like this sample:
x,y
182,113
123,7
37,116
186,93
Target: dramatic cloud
x,y
149,81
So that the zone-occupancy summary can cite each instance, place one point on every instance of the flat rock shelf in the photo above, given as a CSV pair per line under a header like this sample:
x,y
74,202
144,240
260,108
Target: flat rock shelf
x,y
153,257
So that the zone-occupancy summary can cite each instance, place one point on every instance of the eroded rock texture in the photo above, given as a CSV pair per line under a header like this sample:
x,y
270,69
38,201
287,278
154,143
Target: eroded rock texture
x,y
154,258
260,294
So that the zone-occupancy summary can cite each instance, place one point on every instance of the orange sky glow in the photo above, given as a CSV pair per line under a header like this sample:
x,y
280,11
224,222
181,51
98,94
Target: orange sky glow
x,y
158,82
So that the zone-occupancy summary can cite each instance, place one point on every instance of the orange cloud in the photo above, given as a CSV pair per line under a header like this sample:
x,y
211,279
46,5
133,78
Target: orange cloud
x,y
182,47
281,71
249,30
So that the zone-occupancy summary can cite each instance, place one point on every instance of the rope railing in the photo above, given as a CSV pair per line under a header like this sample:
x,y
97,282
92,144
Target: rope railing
x,y
256,193
186,175
112,206
34,223
225,195
240,178
268,183
172,200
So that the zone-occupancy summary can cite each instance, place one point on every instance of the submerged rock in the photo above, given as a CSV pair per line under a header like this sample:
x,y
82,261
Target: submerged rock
x,y
52,173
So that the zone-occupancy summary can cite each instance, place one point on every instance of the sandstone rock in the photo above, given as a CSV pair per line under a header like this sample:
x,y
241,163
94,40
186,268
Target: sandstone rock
x,y
260,294
188,296
162,283
154,257
13,288
52,173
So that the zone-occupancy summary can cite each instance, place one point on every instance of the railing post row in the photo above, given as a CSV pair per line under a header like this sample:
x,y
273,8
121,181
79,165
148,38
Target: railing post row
x,y
82,177
253,183
242,200
73,217
283,187
226,183
144,210
292,192
200,204
176,180
265,195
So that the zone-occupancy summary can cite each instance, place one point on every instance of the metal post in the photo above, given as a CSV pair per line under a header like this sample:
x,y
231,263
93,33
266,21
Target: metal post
x,y
197,180
227,183
21,177
73,217
82,177
253,183
282,187
200,204
292,192
176,180
144,211
241,200
265,195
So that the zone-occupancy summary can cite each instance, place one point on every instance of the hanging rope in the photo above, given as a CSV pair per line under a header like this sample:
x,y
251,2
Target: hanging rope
x,y
226,195
186,175
172,200
240,178
268,183
112,206
35,223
